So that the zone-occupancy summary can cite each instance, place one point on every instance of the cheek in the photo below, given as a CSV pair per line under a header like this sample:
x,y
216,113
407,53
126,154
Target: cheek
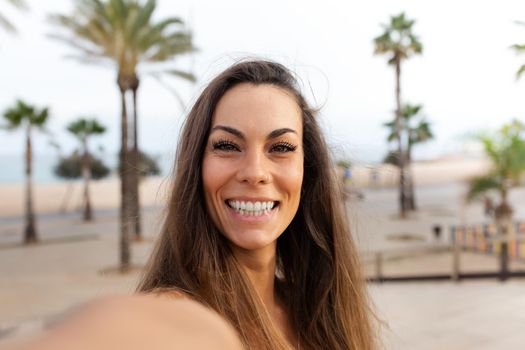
x,y
293,179
209,181
215,175
299,181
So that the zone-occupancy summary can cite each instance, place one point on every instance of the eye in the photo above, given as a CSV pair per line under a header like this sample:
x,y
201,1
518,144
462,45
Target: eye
x,y
226,146
283,147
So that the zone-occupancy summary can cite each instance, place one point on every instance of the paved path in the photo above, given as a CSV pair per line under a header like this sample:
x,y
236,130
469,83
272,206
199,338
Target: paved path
x,y
480,315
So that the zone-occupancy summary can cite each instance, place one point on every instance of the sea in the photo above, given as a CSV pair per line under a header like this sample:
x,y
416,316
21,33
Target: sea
x,y
12,167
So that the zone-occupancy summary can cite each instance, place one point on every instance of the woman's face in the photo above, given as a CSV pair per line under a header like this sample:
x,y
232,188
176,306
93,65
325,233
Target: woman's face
x,y
253,164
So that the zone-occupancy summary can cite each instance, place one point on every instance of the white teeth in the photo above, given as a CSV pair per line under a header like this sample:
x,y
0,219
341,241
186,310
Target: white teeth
x,y
251,208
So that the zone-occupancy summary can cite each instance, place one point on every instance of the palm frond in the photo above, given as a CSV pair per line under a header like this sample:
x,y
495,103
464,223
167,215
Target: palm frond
x,y
85,47
118,11
84,127
479,186
420,133
506,151
518,47
408,111
143,18
397,40
13,117
181,74
23,113
39,118
415,46
20,4
123,32
6,24
520,72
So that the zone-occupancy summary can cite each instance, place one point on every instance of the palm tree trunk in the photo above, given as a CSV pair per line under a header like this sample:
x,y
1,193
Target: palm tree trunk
x,y
125,204
86,174
503,213
411,195
402,180
67,197
136,164
30,235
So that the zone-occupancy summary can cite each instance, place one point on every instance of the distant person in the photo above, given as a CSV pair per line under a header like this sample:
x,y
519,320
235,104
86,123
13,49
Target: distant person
x,y
374,176
488,206
255,230
347,175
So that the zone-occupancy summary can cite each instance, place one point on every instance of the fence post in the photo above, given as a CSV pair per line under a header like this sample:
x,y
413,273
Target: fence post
x,y
504,261
379,267
455,254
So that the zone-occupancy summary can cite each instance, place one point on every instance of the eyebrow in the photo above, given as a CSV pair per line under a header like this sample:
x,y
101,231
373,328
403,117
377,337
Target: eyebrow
x,y
239,134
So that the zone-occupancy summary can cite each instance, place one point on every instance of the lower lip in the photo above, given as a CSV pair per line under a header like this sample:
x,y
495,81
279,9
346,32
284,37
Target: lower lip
x,y
249,218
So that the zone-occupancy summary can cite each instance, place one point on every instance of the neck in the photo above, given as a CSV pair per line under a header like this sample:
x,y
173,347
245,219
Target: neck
x,y
259,266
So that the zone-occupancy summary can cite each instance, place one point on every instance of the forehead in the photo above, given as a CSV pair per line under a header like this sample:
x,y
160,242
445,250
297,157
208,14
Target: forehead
x,y
258,108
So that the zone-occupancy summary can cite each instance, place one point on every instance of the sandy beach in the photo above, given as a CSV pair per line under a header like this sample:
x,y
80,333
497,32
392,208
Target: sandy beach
x,y
67,196
74,261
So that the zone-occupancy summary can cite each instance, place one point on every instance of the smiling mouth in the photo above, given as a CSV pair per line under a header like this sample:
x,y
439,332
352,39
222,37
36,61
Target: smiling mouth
x,y
247,208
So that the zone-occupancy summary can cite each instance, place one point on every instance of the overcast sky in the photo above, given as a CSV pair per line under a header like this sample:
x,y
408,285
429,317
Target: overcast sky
x,y
465,78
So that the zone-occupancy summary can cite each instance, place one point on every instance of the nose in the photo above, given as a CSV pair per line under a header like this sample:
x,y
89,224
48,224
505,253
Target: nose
x,y
254,169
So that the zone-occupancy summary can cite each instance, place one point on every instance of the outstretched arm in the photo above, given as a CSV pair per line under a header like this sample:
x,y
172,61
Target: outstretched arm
x,y
137,322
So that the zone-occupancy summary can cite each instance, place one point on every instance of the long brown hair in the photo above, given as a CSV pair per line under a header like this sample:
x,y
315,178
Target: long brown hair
x,y
319,272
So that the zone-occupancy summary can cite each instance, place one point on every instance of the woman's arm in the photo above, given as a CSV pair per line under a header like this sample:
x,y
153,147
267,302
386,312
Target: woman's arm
x,y
137,322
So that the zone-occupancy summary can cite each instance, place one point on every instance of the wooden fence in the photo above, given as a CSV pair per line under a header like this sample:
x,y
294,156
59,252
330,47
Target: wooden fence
x,y
484,238
475,238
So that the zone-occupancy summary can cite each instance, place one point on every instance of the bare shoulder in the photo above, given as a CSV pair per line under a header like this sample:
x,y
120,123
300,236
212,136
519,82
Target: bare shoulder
x,y
170,293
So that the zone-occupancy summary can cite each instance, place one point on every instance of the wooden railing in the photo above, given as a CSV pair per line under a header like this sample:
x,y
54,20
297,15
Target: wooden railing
x,y
504,247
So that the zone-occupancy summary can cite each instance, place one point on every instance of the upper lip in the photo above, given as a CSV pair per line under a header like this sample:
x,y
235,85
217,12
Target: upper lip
x,y
251,199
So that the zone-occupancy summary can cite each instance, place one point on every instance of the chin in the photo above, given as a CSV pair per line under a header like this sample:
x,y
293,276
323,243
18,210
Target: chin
x,y
251,240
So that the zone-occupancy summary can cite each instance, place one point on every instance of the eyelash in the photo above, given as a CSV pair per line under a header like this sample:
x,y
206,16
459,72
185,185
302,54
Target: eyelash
x,y
288,147
228,146
224,145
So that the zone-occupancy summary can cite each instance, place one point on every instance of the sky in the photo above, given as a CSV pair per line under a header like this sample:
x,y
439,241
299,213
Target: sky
x,y
465,78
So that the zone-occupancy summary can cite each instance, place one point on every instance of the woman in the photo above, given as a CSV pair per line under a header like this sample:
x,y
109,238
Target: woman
x,y
255,229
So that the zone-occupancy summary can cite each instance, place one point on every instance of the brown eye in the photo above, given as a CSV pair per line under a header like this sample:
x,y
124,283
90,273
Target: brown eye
x,y
283,147
226,146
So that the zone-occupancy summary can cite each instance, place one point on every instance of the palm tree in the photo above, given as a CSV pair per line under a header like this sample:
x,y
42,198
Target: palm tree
x,y
123,33
519,49
399,43
415,129
27,117
137,155
83,129
70,167
506,151
5,23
